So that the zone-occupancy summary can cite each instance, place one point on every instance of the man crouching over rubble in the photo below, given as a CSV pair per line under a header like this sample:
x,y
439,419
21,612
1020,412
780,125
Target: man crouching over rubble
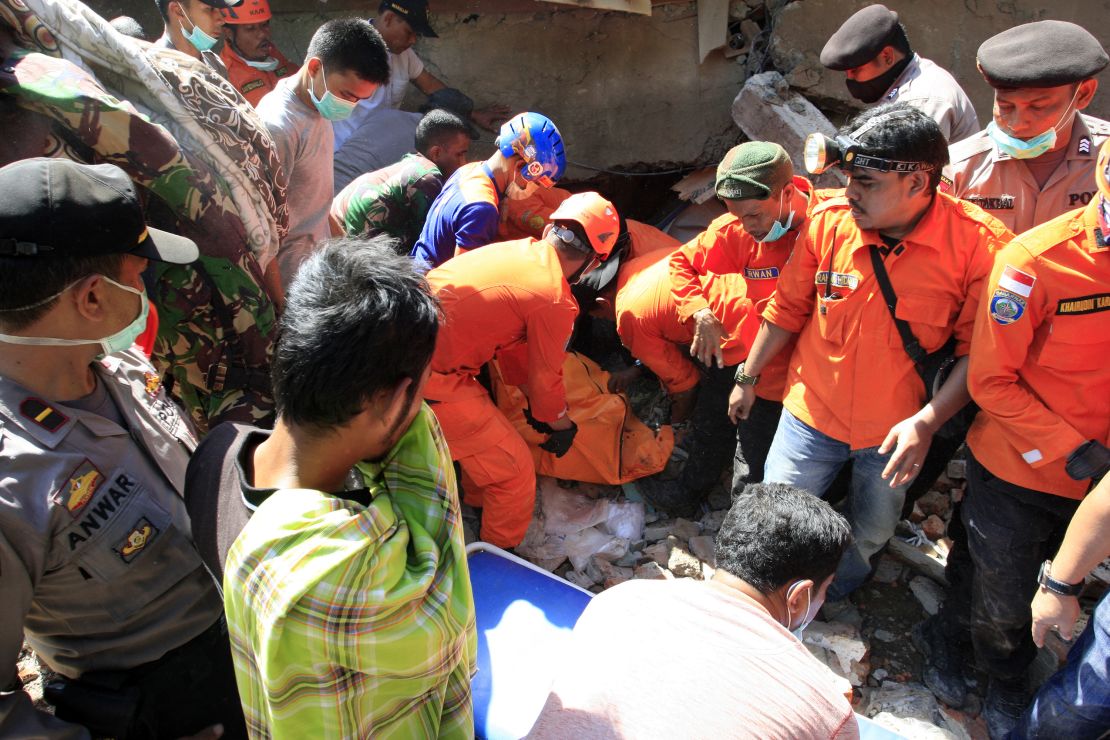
x,y
732,640
347,593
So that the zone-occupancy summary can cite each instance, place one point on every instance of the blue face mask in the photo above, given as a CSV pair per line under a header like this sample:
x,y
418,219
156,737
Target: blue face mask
x,y
778,230
197,37
1021,148
1027,148
331,107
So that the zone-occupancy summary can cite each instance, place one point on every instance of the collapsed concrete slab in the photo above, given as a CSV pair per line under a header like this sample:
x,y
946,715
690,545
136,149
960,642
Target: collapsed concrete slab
x,y
766,109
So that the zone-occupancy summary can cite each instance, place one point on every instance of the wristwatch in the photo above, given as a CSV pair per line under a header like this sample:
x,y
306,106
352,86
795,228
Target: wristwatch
x,y
1057,587
743,378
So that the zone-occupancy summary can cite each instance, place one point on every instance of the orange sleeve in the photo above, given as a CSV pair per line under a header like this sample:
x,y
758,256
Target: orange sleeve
x,y
686,265
548,329
979,273
728,299
673,367
999,351
792,303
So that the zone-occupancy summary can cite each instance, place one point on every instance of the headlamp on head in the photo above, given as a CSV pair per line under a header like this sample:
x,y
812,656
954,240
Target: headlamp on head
x,y
822,153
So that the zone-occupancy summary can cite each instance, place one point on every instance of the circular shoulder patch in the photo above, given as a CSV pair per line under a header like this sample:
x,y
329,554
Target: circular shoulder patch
x,y
1006,307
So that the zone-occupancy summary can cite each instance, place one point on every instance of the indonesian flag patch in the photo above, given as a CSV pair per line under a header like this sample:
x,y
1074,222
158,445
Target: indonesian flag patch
x,y
1016,281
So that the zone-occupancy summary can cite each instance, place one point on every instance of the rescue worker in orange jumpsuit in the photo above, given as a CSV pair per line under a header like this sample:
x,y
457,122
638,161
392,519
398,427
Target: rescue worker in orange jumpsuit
x,y
511,296
466,213
651,328
1039,373
853,391
254,64
767,207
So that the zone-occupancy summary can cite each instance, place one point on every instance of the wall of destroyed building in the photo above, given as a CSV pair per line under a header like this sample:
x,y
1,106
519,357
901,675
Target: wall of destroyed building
x,y
630,91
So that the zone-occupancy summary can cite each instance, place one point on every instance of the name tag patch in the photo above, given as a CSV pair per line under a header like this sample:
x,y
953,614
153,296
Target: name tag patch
x,y
839,279
992,203
761,273
1083,304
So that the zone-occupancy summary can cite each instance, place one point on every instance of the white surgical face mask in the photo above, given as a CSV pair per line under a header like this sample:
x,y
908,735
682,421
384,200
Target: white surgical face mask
x,y
811,612
117,342
269,65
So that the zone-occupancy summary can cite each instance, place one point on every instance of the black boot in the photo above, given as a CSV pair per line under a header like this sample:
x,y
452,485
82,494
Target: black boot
x,y
943,669
1003,707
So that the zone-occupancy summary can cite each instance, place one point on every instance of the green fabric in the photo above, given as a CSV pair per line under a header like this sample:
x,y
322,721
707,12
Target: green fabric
x,y
752,170
392,201
353,621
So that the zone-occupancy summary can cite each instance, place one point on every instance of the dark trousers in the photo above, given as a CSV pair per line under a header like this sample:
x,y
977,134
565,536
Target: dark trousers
x,y
753,441
186,690
712,435
1010,531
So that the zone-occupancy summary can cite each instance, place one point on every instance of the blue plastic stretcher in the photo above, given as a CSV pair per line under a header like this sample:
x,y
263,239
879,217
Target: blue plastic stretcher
x,y
524,617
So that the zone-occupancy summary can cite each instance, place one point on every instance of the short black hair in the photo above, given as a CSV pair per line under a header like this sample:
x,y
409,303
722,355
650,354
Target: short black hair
x,y
776,534
164,7
358,319
25,281
437,127
351,44
900,40
902,132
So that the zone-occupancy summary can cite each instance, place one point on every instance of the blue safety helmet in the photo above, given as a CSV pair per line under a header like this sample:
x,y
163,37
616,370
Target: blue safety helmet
x,y
535,139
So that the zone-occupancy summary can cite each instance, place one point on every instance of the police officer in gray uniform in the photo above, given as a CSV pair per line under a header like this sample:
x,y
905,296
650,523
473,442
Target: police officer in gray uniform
x,y
97,567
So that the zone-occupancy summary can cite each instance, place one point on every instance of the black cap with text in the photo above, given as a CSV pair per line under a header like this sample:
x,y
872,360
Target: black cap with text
x,y
415,12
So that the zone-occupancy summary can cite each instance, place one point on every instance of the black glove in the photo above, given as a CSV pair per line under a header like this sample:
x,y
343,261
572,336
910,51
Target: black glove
x,y
540,426
1089,460
560,440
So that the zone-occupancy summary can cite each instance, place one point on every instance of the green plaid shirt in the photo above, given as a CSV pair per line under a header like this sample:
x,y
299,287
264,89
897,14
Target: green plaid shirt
x,y
352,621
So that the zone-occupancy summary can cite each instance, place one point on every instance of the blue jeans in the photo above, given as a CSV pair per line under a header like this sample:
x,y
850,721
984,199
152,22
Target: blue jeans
x,y
1075,702
803,457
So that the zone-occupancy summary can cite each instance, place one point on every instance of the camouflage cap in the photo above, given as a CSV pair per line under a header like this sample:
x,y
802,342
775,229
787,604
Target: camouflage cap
x,y
751,170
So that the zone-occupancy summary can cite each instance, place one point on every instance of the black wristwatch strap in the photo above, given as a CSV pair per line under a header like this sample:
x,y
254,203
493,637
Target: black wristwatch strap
x,y
1057,587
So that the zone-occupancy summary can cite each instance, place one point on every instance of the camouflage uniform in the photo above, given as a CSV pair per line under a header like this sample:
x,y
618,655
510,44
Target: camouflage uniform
x,y
393,201
217,320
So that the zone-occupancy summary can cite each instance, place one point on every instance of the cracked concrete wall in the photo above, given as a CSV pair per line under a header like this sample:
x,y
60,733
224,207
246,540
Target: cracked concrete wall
x,y
628,91
624,89
947,31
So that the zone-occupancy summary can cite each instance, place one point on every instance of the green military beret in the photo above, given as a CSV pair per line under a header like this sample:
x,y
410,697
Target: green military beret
x,y
752,169
1041,54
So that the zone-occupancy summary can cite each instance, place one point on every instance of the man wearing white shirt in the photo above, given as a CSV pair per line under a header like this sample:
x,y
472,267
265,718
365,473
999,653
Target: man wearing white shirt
x,y
400,22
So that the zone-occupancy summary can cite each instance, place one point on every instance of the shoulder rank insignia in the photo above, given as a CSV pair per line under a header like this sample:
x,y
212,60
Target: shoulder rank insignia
x,y
43,414
1085,145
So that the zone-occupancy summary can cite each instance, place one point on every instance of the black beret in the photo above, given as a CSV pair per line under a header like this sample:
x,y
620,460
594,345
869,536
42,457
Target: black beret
x,y
860,38
1041,54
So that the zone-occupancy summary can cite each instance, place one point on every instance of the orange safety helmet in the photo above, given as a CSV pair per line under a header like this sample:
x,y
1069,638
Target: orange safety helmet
x,y
597,217
249,11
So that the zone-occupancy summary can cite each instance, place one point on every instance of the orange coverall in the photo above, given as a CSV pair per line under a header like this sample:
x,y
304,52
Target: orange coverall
x,y
251,82
505,296
1039,356
650,326
850,377
726,248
